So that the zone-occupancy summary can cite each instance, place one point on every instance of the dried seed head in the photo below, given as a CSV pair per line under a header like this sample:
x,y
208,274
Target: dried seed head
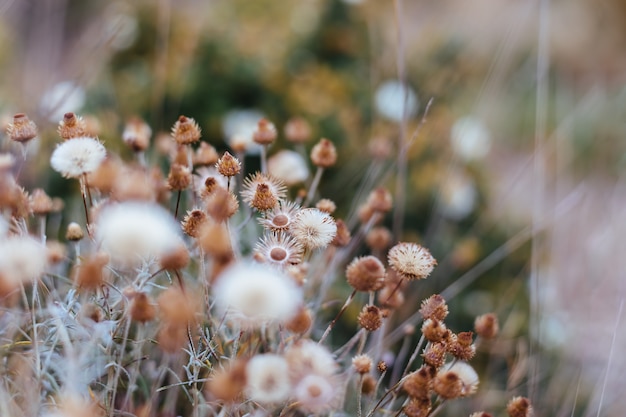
x,y
419,383
267,379
22,129
417,407
72,126
193,221
435,354
297,130
141,308
288,166
74,232
278,249
324,154
185,131
411,260
265,133
179,177
180,155
177,307
133,183
380,200
370,318
362,363
381,366
520,407
281,217
434,330
137,134
40,202
378,238
448,385
301,322
205,155
391,296
342,238
467,375
175,259
228,165
298,273
486,326
262,192
91,273
104,177
22,261
77,157
461,347
227,384
326,205
221,204
313,228
366,274
434,307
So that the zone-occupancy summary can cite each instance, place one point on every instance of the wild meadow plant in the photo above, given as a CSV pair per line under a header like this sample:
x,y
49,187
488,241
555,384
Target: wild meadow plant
x,y
212,290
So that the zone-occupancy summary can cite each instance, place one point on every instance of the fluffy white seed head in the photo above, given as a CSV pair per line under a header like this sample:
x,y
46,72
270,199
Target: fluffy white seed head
x,y
267,378
411,260
288,166
313,228
253,295
77,156
467,375
316,394
134,231
22,261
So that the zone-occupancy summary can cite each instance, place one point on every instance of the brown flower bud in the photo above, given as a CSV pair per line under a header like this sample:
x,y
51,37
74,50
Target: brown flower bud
x,y
434,307
228,165
378,238
381,366
215,240
185,131
370,318
366,273
265,132
72,126
380,200
91,273
264,199
486,326
435,354
448,385
193,221
175,259
326,205
434,330
137,134
520,407
461,347
40,202
74,232
179,177
417,407
342,237
324,154
301,322
205,155
227,384
297,130
391,296
368,385
141,308
221,204
22,129
418,384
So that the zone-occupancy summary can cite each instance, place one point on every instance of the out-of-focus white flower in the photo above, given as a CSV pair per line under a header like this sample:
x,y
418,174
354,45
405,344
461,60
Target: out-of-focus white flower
x,y
238,127
470,138
467,375
202,174
121,26
288,166
458,196
253,295
313,228
278,249
307,357
63,97
78,156
393,99
135,231
317,394
22,261
267,378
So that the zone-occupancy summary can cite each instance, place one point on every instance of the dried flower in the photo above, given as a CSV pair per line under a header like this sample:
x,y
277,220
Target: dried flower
x,y
342,238
265,133
417,407
461,347
137,134
370,318
520,407
74,232
466,374
362,363
22,129
434,330
411,260
307,357
313,228
380,200
419,383
72,126
192,222
486,326
228,384
221,204
435,354
434,307
278,249
185,131
267,378
378,238
262,192
253,295
281,217
179,177
76,157
301,322
205,155
366,273
326,205
90,274
141,308
324,154
297,130
448,385
40,202
228,165
317,394
22,261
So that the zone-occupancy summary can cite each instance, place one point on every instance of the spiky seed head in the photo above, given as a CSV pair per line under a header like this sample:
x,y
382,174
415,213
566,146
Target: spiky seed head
x,y
21,129
418,384
434,307
378,238
205,155
417,407
301,322
486,326
366,273
221,204
179,177
175,259
326,205
142,308
313,228
411,260
185,131
324,154
370,318
448,385
362,363
434,330
265,133
192,222
520,407
435,354
228,165
72,126
380,200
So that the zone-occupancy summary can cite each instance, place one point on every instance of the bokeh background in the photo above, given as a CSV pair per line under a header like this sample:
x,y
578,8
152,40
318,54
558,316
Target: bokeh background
x,y
515,179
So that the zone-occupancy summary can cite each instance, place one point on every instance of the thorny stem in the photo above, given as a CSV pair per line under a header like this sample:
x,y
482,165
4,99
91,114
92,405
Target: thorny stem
x,y
332,323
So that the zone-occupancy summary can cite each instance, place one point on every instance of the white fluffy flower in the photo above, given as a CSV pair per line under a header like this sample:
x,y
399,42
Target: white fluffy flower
x,y
307,357
288,166
22,260
239,125
467,375
253,295
458,196
134,231
411,260
313,228
77,156
317,394
470,138
391,98
267,378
